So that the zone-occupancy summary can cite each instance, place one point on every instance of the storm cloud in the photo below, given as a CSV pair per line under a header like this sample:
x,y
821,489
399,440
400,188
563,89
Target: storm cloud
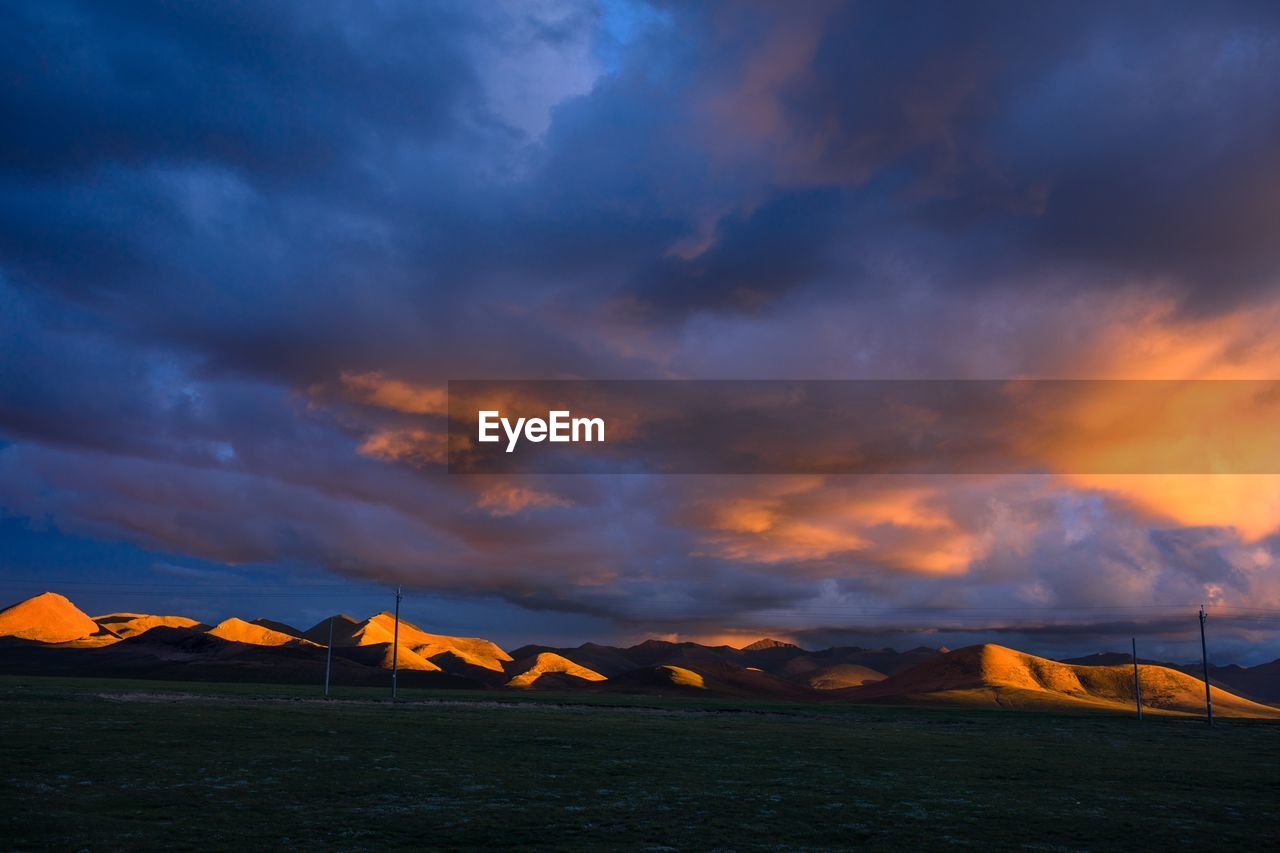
x,y
242,247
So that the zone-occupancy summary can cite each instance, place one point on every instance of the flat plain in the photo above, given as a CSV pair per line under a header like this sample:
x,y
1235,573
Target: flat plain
x,y
112,765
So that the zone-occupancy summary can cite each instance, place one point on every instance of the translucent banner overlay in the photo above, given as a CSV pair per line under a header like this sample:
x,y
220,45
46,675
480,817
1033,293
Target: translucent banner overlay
x,y
864,427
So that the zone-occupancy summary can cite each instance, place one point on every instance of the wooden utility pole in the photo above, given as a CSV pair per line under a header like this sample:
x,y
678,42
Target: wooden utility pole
x,y
1137,683
328,659
395,647
1204,657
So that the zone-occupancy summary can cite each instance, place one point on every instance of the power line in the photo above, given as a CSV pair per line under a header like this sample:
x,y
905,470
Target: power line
x,y
303,590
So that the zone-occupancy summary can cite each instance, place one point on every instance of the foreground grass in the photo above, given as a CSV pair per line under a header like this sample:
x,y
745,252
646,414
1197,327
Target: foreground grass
x,y
120,765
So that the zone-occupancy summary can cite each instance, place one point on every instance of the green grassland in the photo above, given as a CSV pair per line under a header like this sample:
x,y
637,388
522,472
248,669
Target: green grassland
x,y
107,765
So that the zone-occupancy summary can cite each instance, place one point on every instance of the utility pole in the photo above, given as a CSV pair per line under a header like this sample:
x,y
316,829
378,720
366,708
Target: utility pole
x,y
1204,657
395,647
1137,684
328,659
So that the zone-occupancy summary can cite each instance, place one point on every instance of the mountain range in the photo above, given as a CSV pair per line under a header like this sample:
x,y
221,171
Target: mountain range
x,y
49,635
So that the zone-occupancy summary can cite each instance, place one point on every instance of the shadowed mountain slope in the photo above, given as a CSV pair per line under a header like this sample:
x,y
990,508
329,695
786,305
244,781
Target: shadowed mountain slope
x,y
887,661
657,680
785,660
380,655
1113,659
840,675
127,625
279,627
717,678
1261,682
606,660
343,627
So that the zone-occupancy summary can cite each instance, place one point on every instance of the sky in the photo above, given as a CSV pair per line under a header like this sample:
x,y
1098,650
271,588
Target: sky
x,y
243,247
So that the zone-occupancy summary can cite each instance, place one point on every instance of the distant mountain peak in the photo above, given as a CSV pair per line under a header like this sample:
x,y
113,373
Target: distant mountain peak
x,y
527,672
768,643
46,618
237,630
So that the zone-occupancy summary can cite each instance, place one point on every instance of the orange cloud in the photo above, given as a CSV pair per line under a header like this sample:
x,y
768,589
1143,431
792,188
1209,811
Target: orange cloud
x,y
1148,340
415,446
507,499
375,388
896,522
1249,503
398,442
1144,337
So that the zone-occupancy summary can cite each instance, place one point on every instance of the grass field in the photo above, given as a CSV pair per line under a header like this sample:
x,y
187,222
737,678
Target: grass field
x,y
106,765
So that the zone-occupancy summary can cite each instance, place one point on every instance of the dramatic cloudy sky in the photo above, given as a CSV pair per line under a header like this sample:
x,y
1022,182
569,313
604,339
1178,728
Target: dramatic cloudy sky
x,y
244,245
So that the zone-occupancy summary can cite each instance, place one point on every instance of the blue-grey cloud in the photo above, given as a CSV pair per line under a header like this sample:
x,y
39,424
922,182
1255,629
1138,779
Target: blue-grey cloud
x,y
210,213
